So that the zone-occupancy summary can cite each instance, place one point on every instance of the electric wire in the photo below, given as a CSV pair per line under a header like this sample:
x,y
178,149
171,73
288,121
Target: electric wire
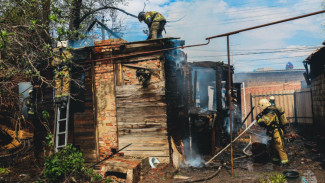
x,y
263,49
257,53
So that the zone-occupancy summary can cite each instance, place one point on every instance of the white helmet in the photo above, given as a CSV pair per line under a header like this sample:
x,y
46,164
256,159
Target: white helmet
x,y
263,103
272,97
30,91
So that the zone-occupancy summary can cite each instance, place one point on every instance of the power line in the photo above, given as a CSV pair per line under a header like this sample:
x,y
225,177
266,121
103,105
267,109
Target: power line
x,y
263,52
263,49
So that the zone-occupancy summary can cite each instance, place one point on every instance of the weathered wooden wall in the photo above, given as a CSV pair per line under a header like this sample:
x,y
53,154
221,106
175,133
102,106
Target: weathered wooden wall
x,y
141,112
84,124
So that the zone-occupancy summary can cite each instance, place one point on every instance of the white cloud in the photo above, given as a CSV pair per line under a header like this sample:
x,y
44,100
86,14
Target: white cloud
x,y
211,17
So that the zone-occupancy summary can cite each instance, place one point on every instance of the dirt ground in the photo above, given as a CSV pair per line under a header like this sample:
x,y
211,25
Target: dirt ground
x,y
306,152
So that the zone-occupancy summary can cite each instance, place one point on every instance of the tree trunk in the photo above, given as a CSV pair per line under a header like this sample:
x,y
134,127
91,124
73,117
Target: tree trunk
x,y
75,15
46,11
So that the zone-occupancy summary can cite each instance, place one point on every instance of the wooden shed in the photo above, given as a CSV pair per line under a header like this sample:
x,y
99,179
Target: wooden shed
x,y
129,99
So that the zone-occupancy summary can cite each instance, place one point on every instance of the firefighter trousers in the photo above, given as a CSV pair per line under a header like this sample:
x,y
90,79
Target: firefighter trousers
x,y
62,82
278,147
155,30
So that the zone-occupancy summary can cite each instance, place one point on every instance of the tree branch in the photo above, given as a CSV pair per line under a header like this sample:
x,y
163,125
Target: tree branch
x,y
103,8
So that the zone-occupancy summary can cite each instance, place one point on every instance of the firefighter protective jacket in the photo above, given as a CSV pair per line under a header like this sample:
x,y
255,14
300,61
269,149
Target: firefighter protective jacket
x,y
269,119
153,16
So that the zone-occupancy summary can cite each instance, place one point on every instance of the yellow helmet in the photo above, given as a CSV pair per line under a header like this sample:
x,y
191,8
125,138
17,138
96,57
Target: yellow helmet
x,y
263,103
272,97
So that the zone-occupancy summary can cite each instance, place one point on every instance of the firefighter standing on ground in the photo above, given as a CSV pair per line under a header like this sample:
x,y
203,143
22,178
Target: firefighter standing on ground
x,y
270,118
155,21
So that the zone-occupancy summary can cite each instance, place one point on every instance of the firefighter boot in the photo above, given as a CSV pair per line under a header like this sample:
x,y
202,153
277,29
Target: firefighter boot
x,y
64,101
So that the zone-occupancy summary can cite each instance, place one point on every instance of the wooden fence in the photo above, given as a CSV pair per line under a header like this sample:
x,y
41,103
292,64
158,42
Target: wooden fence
x,y
296,104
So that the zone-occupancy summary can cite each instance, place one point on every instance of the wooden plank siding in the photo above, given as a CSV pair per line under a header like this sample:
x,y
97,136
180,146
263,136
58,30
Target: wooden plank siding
x,y
84,125
142,114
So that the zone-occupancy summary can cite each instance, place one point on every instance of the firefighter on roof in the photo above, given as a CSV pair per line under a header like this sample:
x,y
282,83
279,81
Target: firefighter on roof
x,y
155,21
61,61
273,119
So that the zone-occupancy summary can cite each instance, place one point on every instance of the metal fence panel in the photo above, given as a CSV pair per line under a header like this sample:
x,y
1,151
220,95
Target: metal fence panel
x,y
285,99
304,113
296,104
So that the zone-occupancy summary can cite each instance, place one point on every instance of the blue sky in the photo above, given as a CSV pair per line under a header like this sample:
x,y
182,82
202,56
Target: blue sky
x,y
272,46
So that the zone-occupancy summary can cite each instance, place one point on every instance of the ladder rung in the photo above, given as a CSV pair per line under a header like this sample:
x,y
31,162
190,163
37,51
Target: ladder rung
x,y
64,119
61,146
62,133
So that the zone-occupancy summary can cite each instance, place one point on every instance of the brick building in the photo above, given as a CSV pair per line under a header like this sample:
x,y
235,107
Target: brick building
x,y
114,93
268,82
316,77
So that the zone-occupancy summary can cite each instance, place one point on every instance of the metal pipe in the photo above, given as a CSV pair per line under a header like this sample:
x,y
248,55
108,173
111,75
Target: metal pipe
x,y
264,25
248,116
230,106
252,109
244,93
190,131
231,142
148,52
194,89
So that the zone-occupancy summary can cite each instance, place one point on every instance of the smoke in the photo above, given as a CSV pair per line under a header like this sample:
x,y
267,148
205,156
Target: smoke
x,y
193,158
236,120
259,136
205,88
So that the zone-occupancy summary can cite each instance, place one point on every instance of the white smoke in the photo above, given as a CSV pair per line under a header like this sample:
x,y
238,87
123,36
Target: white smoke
x,y
193,158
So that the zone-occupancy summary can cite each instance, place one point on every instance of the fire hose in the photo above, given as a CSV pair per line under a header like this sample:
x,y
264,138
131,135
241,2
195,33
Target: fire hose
x,y
208,178
231,142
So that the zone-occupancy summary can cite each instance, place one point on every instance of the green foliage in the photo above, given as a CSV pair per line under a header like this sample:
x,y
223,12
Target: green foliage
x,y
63,163
46,115
107,180
4,171
68,162
49,140
273,178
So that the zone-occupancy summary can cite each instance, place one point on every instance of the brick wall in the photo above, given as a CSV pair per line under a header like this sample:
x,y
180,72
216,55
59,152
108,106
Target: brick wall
x,y
267,87
318,97
105,96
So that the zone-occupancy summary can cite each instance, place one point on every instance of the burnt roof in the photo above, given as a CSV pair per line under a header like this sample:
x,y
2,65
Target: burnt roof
x,y
210,64
317,62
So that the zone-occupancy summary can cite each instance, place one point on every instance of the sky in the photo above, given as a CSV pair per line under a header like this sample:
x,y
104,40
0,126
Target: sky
x,y
268,47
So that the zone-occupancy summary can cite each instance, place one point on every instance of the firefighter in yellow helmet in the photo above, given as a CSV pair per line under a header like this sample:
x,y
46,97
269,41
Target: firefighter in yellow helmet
x,y
272,100
269,118
155,21
61,62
